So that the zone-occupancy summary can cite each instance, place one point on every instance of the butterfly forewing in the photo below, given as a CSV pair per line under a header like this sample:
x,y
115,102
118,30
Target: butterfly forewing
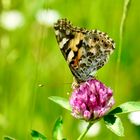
x,y
85,51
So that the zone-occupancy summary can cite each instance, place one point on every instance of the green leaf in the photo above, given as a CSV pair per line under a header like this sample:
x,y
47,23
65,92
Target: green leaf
x,y
61,101
8,138
114,123
57,130
37,136
126,108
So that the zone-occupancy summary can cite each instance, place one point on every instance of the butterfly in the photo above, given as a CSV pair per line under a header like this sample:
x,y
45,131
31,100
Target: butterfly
x,y
85,51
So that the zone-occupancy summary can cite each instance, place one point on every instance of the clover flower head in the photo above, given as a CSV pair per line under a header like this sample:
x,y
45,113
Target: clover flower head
x,y
91,100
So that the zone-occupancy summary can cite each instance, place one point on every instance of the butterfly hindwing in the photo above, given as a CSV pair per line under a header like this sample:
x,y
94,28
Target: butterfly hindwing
x,y
85,51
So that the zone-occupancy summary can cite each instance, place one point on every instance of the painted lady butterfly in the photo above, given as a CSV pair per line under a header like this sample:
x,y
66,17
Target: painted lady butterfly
x,y
85,51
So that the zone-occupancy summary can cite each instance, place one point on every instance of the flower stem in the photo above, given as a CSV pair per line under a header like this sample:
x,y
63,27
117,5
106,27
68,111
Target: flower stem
x,y
86,130
123,19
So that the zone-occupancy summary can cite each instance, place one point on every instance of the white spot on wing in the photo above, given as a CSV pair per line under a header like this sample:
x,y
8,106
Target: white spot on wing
x,y
62,43
70,56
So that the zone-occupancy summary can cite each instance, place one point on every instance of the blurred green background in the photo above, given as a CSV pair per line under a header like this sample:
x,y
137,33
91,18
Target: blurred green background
x,y
30,57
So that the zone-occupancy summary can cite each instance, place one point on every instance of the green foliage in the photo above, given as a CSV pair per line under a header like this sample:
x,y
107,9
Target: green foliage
x,y
126,108
61,101
8,138
57,130
37,136
114,123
